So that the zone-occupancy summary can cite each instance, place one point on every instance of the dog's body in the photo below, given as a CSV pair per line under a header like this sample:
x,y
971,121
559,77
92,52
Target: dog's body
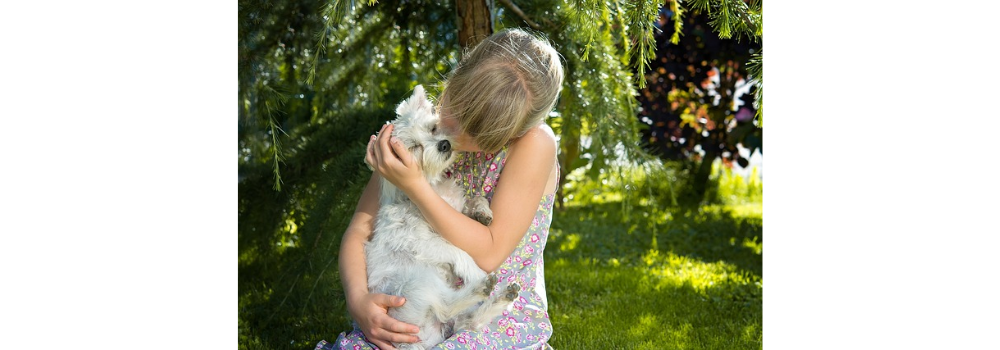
x,y
445,290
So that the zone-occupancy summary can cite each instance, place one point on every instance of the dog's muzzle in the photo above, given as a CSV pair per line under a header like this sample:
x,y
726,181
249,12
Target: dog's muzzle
x,y
444,146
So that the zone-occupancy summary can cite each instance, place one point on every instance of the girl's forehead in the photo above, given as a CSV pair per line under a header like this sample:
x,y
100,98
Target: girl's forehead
x,y
449,122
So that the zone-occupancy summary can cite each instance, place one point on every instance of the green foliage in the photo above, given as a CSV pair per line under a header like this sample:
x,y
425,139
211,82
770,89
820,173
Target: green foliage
x,y
740,19
729,17
301,59
733,189
289,287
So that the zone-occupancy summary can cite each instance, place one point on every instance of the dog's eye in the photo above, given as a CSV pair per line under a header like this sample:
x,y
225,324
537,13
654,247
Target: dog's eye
x,y
434,129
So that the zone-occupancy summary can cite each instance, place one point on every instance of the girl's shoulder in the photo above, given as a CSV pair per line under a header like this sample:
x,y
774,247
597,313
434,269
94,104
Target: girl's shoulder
x,y
539,138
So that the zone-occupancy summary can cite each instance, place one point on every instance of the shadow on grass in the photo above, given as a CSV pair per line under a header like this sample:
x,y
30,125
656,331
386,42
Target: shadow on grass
x,y
608,231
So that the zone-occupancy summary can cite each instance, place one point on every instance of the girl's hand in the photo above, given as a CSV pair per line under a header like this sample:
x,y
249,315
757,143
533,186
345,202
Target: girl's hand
x,y
371,312
387,156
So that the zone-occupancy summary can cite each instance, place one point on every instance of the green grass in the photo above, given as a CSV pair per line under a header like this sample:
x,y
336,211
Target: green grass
x,y
692,283
623,270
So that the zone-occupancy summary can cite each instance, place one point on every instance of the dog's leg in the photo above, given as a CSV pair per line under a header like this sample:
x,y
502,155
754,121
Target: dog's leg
x,y
489,310
479,208
447,272
470,296
450,260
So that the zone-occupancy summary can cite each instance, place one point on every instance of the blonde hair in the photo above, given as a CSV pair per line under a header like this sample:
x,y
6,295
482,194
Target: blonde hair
x,y
503,87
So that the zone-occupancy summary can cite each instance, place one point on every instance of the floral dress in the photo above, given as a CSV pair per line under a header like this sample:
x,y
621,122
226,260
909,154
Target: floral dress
x,y
526,325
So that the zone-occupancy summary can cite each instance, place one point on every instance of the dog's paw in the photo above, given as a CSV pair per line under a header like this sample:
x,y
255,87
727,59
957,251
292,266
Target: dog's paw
x,y
484,218
488,283
513,289
478,208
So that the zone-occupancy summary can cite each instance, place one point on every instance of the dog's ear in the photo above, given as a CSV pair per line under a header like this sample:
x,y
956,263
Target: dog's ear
x,y
416,102
419,94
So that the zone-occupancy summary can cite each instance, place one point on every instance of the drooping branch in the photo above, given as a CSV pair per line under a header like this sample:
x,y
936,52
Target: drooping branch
x,y
517,11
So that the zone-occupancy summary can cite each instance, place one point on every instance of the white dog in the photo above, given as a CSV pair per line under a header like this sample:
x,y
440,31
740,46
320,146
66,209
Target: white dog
x,y
445,290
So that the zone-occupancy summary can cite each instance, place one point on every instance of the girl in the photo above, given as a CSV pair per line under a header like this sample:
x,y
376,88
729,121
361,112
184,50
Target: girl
x,y
495,103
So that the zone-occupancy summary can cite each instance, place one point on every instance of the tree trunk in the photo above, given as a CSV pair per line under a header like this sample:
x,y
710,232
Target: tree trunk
x,y
704,172
474,23
569,148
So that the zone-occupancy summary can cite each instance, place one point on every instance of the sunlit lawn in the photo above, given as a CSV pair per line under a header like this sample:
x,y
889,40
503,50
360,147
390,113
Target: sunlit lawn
x,y
642,276
694,283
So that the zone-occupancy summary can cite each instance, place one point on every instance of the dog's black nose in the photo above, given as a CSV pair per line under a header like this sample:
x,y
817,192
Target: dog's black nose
x,y
444,146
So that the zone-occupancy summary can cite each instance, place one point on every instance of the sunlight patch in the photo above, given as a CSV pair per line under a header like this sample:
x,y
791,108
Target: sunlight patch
x,y
570,243
648,326
673,270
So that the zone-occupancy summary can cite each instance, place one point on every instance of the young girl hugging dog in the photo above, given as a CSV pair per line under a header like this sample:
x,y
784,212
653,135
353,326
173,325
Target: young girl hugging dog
x,y
494,103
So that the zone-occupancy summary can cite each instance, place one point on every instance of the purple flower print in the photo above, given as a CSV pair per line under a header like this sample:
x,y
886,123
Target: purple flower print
x,y
510,332
534,238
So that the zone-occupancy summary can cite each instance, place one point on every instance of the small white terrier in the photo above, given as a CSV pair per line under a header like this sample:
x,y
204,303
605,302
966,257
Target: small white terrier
x,y
445,290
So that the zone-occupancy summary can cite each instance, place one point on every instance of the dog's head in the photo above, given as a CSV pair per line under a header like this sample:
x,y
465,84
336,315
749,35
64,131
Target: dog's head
x,y
416,126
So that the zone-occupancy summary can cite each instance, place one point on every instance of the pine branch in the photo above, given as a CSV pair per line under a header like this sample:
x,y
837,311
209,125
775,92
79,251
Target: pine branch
x,y
756,70
678,20
640,16
272,101
589,16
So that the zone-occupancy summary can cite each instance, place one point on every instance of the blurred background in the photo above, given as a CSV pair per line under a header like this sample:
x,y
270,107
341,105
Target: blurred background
x,y
658,235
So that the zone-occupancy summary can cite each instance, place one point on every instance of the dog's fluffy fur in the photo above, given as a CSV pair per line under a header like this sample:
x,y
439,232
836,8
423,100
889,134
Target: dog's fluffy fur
x,y
445,290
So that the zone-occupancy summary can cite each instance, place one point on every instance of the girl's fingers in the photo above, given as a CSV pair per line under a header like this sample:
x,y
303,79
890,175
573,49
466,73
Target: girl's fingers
x,y
402,327
385,134
401,151
403,338
370,153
